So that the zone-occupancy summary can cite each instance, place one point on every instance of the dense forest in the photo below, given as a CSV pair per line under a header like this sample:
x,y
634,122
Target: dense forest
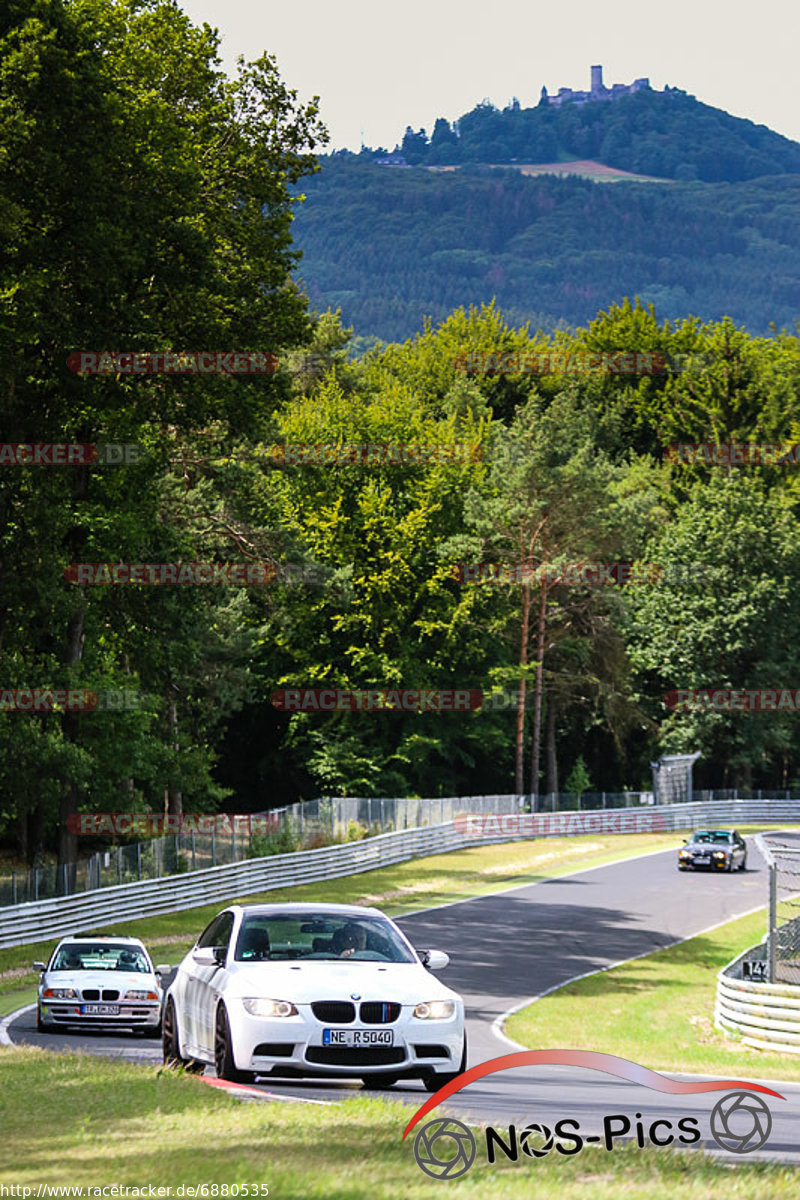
x,y
390,247
162,224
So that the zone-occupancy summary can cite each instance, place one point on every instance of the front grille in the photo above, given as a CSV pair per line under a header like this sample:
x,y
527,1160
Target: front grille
x,y
378,1012
110,994
274,1050
334,1012
351,1056
431,1052
91,994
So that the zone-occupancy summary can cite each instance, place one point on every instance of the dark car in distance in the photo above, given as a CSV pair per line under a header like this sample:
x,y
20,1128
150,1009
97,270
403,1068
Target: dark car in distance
x,y
713,849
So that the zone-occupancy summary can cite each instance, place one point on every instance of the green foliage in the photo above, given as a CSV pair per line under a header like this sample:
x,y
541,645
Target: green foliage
x,y
285,841
578,781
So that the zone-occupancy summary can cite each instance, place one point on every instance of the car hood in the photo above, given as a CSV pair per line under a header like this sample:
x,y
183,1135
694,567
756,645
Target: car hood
x,y
708,849
406,983
121,980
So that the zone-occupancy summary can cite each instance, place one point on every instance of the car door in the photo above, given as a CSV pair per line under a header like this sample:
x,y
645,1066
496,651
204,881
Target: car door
x,y
197,978
209,981
740,849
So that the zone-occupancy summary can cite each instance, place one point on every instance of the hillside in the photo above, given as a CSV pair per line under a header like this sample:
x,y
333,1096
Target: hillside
x,y
389,247
668,134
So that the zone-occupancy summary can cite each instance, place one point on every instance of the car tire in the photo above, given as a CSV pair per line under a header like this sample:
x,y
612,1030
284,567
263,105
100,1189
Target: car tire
x,y
43,1026
435,1080
170,1046
743,864
223,1052
376,1083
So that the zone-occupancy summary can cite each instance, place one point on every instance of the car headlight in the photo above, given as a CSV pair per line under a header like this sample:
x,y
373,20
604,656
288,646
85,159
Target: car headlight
x,y
59,994
720,854
685,854
140,995
435,1010
258,1007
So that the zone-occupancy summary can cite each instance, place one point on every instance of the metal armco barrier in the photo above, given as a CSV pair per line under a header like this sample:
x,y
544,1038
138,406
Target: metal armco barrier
x,y
766,1016
46,919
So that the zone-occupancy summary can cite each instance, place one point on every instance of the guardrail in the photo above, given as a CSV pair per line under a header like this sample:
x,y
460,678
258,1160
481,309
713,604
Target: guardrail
x,y
39,920
765,1016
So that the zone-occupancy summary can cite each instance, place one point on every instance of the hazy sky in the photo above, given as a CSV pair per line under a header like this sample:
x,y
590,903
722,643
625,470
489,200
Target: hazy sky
x,y
379,67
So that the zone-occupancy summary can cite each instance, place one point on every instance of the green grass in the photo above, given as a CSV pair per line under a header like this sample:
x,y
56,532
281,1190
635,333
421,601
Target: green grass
x,y
657,1010
76,1120
11,1001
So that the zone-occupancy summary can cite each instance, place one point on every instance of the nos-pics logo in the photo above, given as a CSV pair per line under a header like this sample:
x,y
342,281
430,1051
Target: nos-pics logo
x,y
445,1148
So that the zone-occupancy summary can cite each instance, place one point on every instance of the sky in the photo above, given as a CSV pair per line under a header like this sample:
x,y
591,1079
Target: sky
x,y
378,68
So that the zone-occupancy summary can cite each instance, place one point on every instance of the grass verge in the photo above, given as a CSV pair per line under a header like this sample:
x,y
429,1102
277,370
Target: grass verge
x,y
115,1123
657,1010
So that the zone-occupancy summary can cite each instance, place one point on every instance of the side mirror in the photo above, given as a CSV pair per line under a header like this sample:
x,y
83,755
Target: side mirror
x,y
210,956
37,966
434,960
686,841
164,969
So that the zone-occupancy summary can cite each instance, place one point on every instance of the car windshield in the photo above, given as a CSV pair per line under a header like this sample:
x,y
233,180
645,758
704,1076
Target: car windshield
x,y
87,956
312,935
711,836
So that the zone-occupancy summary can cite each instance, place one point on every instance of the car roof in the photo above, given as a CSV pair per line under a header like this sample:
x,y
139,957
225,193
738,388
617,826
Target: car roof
x,y
332,910
100,937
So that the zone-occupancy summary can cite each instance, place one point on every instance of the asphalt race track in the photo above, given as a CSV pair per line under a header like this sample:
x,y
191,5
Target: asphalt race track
x,y
509,947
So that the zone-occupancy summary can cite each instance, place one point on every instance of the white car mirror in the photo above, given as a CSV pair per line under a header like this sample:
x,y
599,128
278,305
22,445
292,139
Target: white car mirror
x,y
163,969
434,960
39,966
208,956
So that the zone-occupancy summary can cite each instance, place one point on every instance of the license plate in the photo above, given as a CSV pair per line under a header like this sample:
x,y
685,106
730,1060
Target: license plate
x,y
358,1037
702,858
100,1010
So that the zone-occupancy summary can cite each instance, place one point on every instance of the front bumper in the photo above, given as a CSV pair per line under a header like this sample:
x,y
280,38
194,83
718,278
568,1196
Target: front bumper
x,y
131,1015
294,1045
713,864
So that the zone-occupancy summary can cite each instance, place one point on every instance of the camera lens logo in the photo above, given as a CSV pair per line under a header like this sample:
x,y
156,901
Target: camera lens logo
x,y
740,1122
445,1149
536,1140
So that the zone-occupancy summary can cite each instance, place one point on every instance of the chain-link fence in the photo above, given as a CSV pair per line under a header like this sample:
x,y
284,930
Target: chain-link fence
x,y
782,944
303,826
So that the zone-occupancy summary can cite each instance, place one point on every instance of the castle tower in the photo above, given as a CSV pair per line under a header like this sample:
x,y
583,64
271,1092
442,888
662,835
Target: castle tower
x,y
597,80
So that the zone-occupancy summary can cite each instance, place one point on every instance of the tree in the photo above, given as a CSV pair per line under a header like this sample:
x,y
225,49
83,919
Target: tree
x,y
547,507
145,204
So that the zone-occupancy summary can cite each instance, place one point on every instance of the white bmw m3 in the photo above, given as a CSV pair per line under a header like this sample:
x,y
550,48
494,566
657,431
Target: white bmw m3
x,y
313,989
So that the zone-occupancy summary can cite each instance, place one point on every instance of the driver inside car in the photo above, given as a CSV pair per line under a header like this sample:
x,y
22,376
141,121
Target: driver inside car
x,y
349,939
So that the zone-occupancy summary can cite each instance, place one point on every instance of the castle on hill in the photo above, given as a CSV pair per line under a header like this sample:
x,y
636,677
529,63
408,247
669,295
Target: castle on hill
x,y
598,90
